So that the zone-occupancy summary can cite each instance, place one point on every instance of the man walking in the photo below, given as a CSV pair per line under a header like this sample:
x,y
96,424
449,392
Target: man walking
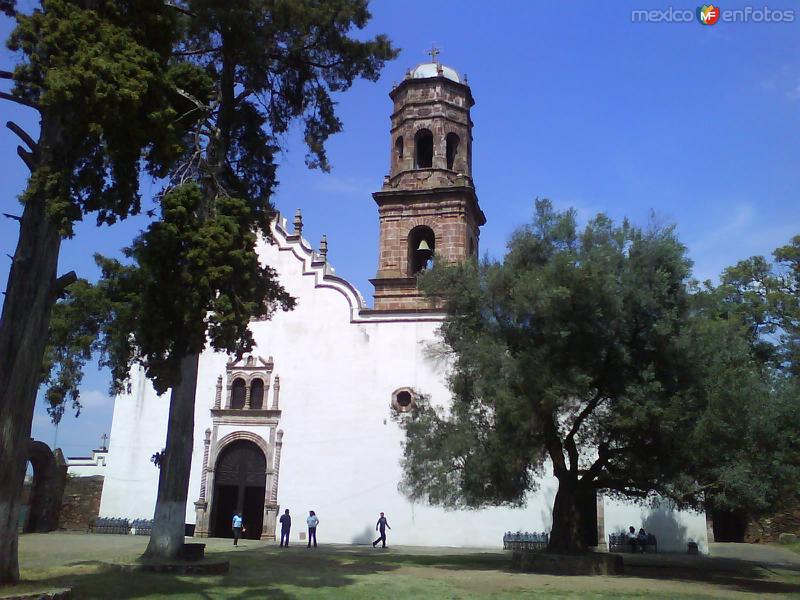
x,y
286,525
237,528
312,522
381,526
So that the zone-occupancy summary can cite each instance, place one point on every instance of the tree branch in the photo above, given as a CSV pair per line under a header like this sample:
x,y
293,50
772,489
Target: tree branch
x,y
191,98
181,10
61,284
23,135
604,453
583,414
620,485
27,158
18,100
554,448
572,453
195,52
6,75
246,92
15,217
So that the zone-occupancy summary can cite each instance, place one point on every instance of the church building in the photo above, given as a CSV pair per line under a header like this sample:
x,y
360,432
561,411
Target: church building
x,y
308,420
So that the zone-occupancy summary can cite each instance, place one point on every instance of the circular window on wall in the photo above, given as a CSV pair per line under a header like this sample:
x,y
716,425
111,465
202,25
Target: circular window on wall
x,y
403,399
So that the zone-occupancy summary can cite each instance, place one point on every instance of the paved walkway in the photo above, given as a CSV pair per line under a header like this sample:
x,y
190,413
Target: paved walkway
x,y
722,558
765,554
67,548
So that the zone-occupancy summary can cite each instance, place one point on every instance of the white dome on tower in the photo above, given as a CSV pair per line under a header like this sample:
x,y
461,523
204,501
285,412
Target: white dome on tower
x,y
426,70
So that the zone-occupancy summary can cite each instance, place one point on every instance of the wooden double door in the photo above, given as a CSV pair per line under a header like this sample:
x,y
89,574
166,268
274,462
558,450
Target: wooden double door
x,y
240,478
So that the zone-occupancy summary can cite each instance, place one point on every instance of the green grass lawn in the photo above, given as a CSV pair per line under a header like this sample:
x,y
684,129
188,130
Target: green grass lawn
x,y
260,570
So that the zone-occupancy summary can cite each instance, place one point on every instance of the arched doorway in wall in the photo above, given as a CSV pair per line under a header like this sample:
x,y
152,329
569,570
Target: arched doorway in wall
x,y
240,478
46,476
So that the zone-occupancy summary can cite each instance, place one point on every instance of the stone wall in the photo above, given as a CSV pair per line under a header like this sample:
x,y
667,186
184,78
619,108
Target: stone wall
x,y
767,529
81,504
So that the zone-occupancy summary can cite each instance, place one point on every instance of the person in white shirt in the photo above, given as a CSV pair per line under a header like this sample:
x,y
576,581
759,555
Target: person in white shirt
x,y
632,538
312,521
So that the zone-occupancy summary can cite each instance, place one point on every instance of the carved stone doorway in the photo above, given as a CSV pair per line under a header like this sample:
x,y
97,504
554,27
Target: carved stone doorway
x,y
239,486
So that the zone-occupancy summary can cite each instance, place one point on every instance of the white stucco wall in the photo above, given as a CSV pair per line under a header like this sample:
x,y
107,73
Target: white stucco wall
x,y
138,430
673,529
341,448
84,466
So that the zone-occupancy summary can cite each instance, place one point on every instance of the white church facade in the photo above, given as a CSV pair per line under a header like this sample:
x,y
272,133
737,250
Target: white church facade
x,y
308,420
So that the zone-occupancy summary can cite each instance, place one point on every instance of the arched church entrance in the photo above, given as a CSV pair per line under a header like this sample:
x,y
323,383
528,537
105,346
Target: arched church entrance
x,y
240,478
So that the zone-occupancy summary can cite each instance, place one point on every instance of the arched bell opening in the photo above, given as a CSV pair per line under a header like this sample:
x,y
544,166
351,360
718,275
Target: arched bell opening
x,y
421,247
451,150
257,394
398,151
238,393
240,480
423,146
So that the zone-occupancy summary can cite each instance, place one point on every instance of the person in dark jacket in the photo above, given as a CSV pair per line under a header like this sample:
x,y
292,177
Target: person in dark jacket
x,y
286,526
381,526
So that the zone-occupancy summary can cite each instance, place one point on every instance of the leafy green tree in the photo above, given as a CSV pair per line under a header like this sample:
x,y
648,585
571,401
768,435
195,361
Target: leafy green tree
x,y
97,74
571,354
76,323
766,298
748,327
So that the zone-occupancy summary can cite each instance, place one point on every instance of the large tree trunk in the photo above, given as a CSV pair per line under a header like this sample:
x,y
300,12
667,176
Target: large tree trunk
x,y
565,536
167,537
30,294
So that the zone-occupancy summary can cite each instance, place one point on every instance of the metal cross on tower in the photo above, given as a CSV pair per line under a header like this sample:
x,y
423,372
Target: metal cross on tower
x,y
434,52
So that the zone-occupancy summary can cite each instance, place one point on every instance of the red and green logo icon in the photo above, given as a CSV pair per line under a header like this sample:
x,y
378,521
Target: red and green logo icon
x,y
708,14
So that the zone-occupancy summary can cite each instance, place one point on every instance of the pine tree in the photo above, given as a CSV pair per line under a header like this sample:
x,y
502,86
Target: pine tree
x,y
96,72
195,275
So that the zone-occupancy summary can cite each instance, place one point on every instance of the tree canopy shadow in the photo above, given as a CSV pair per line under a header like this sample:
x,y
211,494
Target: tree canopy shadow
x,y
273,572
254,573
734,575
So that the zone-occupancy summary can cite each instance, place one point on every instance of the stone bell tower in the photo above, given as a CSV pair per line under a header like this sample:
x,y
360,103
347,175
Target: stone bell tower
x,y
427,207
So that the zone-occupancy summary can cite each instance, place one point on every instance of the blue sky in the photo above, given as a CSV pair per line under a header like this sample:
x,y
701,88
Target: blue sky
x,y
574,102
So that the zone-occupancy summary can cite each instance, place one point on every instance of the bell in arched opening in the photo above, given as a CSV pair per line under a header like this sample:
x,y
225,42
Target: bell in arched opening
x,y
421,244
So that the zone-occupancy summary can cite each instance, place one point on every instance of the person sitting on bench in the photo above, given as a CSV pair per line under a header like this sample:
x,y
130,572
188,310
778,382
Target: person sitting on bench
x,y
641,540
632,540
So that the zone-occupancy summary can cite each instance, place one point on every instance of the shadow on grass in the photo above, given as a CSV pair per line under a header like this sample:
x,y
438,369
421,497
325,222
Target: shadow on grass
x,y
472,562
256,573
740,576
731,574
269,572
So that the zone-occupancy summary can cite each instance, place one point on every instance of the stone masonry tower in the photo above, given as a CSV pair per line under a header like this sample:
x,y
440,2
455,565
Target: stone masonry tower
x,y
427,207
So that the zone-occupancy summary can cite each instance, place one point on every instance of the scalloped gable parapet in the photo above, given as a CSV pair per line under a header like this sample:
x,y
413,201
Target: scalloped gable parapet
x,y
318,266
